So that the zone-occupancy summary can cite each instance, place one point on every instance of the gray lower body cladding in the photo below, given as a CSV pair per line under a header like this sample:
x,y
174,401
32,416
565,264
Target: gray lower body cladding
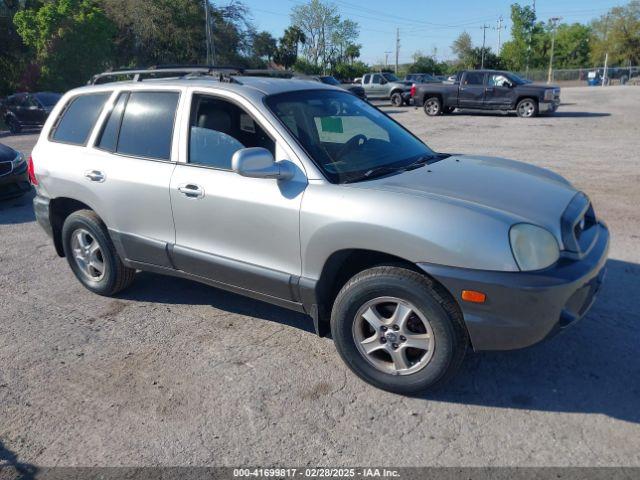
x,y
523,308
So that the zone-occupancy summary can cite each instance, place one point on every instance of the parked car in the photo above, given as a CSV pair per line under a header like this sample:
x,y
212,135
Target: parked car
x,y
28,110
421,78
488,90
329,80
14,181
387,86
307,197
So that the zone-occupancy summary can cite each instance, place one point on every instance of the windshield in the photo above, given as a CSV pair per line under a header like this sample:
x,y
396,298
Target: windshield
x,y
48,99
390,77
346,137
329,81
517,80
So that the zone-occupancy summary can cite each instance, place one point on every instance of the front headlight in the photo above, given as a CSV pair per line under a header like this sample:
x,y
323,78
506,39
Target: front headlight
x,y
534,248
19,160
548,95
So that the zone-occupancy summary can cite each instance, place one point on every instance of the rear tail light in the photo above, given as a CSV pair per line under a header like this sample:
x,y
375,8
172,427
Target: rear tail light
x,y
31,172
413,90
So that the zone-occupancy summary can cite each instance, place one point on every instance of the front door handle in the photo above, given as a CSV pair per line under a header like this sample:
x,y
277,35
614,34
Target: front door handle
x,y
191,190
95,175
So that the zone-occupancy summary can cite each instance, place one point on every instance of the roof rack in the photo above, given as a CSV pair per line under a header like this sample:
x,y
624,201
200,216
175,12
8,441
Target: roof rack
x,y
223,73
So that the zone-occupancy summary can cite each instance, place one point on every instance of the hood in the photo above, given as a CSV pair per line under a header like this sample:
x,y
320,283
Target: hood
x,y
7,153
543,86
522,192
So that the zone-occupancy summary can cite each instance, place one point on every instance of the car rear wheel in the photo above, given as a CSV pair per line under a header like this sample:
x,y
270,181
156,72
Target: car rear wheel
x,y
92,255
432,106
14,125
398,330
527,108
396,99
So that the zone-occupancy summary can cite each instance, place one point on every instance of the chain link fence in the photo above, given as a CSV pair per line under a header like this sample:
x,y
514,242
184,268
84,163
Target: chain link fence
x,y
586,76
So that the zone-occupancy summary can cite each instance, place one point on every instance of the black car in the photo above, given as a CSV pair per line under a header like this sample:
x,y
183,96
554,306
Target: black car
x,y
487,90
329,80
28,110
14,178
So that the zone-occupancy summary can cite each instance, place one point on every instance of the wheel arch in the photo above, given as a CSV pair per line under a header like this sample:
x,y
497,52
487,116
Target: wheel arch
x,y
341,266
59,209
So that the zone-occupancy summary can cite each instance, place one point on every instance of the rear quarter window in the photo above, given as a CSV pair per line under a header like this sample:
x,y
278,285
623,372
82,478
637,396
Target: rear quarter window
x,y
147,125
78,118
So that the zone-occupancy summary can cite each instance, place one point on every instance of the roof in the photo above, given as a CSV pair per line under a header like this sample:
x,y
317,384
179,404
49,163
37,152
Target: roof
x,y
252,86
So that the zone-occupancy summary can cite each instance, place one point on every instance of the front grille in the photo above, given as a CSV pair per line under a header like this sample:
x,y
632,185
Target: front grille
x,y
5,168
579,225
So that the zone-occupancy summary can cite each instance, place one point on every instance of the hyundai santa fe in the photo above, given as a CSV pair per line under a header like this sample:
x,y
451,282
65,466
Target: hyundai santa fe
x,y
302,195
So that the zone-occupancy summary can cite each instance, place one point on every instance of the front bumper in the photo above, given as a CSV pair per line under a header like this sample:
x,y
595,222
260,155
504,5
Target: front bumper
x,y
15,183
548,107
523,308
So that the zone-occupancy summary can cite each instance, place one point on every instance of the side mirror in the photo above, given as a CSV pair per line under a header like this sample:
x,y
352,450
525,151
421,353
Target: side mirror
x,y
259,163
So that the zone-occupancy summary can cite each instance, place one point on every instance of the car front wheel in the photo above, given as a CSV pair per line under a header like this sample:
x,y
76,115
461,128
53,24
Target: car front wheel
x,y
527,108
92,255
398,330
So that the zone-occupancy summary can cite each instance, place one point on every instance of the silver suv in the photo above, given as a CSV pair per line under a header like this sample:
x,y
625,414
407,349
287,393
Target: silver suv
x,y
302,195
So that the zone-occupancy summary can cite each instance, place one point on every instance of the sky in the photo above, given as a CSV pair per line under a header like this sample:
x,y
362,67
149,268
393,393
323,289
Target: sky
x,y
428,26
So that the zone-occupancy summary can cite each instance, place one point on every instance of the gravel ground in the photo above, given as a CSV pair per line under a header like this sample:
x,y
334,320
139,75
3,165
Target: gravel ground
x,y
176,373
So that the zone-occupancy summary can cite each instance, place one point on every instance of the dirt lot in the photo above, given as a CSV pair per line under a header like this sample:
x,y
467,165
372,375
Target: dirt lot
x,y
176,373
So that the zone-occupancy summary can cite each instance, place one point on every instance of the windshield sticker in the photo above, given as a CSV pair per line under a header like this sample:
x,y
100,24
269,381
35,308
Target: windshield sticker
x,y
331,124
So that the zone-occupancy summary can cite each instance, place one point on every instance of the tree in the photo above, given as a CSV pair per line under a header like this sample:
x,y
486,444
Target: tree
x,y
425,64
462,47
72,40
342,38
617,33
572,46
352,52
530,41
264,45
287,51
318,21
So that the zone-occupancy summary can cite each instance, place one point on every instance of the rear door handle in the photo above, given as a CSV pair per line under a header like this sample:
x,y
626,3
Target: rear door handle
x,y
191,190
95,175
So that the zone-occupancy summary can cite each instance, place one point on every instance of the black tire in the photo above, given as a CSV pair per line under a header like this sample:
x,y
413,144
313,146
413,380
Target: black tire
x,y
116,276
14,126
432,106
396,99
527,108
445,319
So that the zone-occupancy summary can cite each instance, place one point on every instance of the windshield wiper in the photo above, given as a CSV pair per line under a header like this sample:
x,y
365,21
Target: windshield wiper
x,y
387,169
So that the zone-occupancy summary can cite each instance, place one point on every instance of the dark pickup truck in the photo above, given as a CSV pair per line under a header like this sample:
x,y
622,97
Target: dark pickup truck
x,y
487,90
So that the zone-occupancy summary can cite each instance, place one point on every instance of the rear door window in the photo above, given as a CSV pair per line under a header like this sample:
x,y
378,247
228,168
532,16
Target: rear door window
x,y
147,125
109,136
79,117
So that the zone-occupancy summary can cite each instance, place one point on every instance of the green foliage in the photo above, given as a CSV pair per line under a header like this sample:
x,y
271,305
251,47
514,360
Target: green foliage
x,y
462,48
302,65
425,64
72,40
572,46
530,41
287,51
349,71
264,45
617,33
329,39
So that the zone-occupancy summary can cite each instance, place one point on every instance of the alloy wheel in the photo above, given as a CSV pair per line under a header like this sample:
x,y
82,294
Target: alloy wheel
x,y
526,109
393,336
87,255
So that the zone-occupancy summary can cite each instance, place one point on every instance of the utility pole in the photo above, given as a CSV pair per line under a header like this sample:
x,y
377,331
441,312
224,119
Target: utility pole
x,y
397,48
386,58
500,28
606,55
484,42
554,25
